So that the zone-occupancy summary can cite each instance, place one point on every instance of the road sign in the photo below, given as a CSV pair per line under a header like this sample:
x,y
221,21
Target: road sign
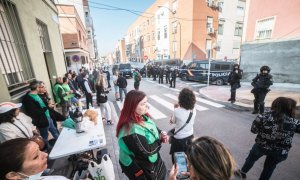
x,y
145,57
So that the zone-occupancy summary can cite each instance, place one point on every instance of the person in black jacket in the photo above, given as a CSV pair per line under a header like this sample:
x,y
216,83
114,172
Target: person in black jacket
x,y
38,111
122,83
168,72
234,81
44,95
173,78
161,75
261,84
87,89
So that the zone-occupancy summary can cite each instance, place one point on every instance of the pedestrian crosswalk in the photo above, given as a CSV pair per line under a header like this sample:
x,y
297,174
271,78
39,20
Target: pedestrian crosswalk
x,y
167,101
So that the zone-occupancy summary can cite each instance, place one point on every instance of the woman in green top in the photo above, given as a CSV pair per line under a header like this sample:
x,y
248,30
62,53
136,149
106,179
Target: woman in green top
x,y
140,140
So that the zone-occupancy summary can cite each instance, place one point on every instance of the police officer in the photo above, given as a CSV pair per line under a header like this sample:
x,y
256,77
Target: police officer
x,y
261,84
173,78
161,75
168,72
234,81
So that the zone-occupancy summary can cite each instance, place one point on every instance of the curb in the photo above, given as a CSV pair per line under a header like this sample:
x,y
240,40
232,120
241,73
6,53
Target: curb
x,y
237,104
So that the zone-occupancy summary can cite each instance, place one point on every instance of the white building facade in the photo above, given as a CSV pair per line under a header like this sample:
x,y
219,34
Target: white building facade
x,y
230,29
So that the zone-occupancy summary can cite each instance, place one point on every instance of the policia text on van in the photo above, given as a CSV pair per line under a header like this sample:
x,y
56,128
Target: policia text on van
x,y
198,70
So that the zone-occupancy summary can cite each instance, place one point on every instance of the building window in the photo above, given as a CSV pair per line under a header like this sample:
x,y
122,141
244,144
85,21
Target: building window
x,y
208,44
238,31
174,27
79,34
165,32
174,46
221,26
240,10
209,23
264,28
153,35
158,34
15,64
44,36
174,6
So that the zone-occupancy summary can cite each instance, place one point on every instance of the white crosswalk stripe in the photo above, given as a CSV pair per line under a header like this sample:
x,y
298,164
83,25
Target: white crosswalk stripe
x,y
191,83
199,85
209,102
198,107
155,113
163,102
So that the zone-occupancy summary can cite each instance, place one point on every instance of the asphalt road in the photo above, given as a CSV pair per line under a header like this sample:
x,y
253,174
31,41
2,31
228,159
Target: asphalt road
x,y
228,124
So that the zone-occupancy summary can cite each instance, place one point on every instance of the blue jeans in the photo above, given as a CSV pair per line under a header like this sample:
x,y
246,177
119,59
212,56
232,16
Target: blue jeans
x,y
51,128
121,94
273,158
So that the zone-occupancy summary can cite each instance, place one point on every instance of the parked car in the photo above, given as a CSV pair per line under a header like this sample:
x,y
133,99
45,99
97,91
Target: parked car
x,y
198,71
125,69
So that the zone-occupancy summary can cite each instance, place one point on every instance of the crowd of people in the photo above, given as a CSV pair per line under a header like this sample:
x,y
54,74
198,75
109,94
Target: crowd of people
x,y
23,155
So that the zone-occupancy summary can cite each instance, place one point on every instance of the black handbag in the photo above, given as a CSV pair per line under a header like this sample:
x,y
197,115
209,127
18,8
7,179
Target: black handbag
x,y
172,132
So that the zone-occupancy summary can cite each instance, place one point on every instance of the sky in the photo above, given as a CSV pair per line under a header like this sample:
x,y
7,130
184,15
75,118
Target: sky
x,y
111,25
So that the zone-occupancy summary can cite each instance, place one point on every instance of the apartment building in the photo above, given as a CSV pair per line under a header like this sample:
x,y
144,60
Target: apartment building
x,y
75,37
119,52
272,37
230,29
92,43
174,29
30,47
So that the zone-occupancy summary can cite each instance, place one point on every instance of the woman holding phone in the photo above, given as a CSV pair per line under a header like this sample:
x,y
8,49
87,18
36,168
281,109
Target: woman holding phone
x,y
207,159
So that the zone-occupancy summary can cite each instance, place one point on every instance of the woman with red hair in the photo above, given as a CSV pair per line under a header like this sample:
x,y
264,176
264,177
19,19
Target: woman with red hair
x,y
140,140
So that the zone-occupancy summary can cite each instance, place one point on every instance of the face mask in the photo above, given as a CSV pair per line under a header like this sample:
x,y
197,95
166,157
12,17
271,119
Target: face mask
x,y
32,177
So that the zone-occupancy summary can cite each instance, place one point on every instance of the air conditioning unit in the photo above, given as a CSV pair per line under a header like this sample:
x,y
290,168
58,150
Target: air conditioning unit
x,y
210,30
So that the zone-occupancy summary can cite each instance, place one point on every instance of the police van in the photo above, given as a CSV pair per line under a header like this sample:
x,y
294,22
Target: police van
x,y
198,71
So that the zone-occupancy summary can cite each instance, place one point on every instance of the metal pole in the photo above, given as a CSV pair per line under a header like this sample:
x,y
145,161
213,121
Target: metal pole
x,y
208,73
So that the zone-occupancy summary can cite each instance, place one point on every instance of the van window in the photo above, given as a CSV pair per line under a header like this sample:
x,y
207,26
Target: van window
x,y
225,67
203,66
217,67
125,66
193,65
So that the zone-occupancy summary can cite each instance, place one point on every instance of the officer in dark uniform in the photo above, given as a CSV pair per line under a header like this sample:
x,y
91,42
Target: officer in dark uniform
x,y
168,72
261,84
234,81
155,70
161,75
173,78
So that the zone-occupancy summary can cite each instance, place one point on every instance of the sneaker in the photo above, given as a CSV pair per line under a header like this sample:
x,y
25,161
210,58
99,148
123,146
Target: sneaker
x,y
255,112
240,173
229,99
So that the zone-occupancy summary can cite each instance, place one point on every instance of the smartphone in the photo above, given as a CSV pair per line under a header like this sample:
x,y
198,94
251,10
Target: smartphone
x,y
181,163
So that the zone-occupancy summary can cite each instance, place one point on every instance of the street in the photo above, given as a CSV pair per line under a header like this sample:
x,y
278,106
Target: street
x,y
228,124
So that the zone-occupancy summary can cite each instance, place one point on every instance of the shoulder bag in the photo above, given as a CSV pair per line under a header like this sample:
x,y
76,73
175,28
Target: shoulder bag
x,y
172,132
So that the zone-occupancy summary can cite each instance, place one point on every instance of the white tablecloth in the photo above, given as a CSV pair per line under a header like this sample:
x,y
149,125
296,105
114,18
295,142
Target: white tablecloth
x,y
69,142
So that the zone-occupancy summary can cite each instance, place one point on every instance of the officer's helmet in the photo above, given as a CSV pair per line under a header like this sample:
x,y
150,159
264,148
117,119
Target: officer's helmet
x,y
236,65
265,68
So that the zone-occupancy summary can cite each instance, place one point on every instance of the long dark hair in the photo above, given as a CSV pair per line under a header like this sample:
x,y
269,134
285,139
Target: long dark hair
x,y
12,155
8,116
210,159
132,99
283,106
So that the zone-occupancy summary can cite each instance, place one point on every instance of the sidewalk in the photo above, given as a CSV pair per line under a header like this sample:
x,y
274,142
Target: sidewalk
x,y
244,98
